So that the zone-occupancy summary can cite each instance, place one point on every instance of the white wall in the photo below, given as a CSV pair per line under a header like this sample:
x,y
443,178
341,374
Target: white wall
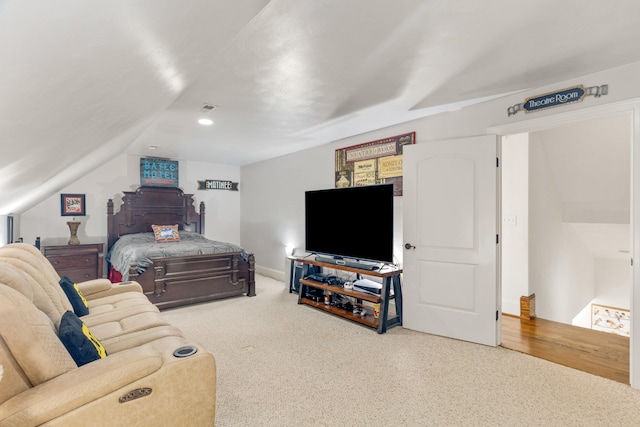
x,y
561,268
515,233
273,203
613,282
123,174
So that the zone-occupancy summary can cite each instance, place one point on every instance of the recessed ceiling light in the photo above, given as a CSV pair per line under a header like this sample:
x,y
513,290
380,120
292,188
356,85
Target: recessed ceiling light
x,y
152,147
206,122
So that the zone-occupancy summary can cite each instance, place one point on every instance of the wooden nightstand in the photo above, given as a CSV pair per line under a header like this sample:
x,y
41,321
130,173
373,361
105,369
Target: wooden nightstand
x,y
78,262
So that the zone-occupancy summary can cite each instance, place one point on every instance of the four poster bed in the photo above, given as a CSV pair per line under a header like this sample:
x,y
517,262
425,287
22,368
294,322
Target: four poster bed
x,y
173,271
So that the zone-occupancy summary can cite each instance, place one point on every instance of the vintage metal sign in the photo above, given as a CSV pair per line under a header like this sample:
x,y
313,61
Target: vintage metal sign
x,y
374,162
558,98
157,172
215,184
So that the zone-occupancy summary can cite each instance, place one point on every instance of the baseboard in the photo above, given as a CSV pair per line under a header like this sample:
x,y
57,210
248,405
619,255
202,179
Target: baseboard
x,y
511,307
270,272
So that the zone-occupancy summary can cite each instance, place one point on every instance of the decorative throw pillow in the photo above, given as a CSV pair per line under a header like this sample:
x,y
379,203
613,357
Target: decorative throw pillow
x,y
166,233
77,300
78,340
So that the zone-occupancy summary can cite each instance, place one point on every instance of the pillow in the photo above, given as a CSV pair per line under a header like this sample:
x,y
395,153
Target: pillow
x,y
166,233
78,340
77,300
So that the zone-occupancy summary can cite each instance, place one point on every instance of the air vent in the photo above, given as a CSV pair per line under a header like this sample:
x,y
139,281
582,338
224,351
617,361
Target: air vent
x,y
208,107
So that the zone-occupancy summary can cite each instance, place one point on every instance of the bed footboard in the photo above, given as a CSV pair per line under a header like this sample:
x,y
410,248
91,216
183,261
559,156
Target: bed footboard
x,y
180,280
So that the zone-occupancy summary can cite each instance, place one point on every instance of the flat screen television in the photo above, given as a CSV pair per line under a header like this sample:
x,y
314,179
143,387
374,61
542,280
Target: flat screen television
x,y
352,222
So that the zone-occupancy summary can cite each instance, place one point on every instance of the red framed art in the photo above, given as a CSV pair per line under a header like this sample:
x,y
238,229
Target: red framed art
x,y
72,205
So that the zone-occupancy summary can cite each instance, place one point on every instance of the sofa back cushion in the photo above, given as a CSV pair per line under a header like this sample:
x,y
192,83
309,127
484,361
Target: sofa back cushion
x,y
46,267
15,278
31,338
34,268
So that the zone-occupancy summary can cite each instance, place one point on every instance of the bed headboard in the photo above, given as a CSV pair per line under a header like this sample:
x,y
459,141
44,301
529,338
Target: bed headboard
x,y
153,205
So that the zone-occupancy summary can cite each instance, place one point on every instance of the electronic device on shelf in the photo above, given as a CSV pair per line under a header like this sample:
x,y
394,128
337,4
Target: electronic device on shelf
x,y
317,277
314,294
335,281
367,285
358,230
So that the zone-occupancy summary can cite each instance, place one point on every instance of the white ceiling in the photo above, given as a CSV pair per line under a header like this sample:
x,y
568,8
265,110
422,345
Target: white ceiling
x,y
82,82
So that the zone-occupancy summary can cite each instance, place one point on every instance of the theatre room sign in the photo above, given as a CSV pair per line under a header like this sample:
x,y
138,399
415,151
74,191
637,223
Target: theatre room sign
x,y
558,98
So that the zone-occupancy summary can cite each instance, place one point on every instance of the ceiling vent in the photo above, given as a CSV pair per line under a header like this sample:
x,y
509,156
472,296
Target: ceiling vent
x,y
208,107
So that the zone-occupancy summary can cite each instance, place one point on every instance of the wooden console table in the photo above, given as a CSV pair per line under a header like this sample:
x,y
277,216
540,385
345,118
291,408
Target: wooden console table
x,y
389,275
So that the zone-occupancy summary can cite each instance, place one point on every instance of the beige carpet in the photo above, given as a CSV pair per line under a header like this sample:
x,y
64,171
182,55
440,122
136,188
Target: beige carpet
x,y
284,364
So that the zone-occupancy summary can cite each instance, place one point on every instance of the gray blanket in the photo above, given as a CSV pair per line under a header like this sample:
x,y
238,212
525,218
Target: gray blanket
x,y
138,249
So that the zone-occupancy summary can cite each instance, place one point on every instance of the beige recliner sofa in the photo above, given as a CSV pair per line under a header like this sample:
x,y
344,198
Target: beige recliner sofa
x,y
152,375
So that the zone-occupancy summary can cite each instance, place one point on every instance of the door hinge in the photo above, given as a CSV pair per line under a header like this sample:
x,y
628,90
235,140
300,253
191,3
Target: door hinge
x,y
631,262
496,315
497,162
497,239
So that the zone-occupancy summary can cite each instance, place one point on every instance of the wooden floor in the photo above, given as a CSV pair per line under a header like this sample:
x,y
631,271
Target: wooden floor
x,y
599,353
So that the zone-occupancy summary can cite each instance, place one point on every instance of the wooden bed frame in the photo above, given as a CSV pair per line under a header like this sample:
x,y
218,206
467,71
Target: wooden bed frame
x,y
178,280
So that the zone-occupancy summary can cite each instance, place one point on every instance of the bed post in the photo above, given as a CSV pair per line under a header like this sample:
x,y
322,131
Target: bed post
x,y
201,218
251,283
109,223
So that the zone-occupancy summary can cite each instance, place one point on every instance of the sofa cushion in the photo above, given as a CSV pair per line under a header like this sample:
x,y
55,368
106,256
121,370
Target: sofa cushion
x,y
31,338
15,278
77,300
78,340
33,267
166,233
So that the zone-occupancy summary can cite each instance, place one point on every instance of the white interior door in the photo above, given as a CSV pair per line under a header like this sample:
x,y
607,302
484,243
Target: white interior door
x,y
450,226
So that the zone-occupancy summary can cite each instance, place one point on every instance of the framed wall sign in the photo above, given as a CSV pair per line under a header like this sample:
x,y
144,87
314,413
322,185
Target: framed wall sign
x,y
157,172
374,162
611,319
72,205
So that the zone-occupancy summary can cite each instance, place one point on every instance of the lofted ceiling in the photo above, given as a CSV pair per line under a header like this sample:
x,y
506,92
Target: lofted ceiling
x,y
82,82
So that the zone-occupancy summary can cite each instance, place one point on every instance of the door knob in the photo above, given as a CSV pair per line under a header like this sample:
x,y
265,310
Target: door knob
x,y
409,246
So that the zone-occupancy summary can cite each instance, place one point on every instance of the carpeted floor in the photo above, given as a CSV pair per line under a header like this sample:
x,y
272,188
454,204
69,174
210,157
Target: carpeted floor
x,y
284,364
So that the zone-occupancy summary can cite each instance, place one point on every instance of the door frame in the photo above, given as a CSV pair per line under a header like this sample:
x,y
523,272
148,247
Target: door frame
x,y
631,108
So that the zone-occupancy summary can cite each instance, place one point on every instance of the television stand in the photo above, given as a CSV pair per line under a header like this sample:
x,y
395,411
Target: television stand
x,y
389,275
354,264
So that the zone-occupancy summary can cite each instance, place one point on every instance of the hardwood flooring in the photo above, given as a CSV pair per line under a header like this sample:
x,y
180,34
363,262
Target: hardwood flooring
x,y
599,353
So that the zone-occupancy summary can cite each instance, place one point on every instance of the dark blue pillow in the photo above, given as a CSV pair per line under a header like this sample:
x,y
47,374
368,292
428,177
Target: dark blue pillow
x,y
78,340
77,300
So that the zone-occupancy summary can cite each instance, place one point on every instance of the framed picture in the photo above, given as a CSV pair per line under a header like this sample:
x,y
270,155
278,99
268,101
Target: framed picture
x,y
611,319
72,205
374,162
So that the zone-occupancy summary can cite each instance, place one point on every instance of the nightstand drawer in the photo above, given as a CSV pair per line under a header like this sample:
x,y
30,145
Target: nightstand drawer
x,y
65,262
78,262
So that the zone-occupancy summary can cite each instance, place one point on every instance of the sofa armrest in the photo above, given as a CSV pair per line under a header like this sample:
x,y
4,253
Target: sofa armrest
x,y
147,385
79,387
99,288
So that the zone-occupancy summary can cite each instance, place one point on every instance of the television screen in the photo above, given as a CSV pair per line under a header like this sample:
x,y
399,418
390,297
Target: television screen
x,y
352,222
